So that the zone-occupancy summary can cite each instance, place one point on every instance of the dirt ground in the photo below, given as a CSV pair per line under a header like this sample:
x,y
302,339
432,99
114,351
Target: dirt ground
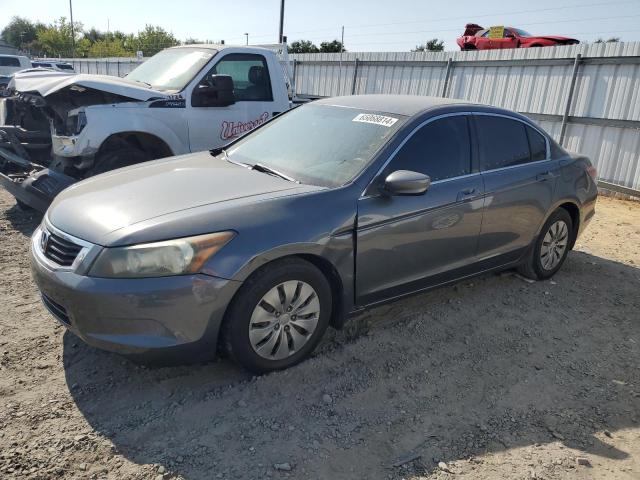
x,y
493,378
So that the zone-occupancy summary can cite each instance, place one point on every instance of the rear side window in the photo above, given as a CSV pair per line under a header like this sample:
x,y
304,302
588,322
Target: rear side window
x,y
502,142
250,76
537,144
440,149
64,66
9,62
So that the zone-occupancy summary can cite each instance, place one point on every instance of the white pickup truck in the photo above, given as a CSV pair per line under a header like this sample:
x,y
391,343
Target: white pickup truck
x,y
57,128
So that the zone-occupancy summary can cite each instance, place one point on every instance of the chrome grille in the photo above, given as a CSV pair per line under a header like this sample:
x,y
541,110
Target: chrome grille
x,y
59,250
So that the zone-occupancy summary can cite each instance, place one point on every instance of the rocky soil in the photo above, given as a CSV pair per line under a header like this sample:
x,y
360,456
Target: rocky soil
x,y
492,378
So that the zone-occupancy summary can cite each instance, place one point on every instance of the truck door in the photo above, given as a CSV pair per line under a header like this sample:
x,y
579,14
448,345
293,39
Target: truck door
x,y
211,127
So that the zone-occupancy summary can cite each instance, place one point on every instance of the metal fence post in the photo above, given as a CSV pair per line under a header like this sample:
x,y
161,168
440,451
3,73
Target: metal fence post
x,y
118,67
572,87
446,77
355,76
294,86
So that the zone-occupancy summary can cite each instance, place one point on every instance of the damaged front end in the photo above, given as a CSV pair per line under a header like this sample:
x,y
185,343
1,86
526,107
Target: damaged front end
x,y
42,149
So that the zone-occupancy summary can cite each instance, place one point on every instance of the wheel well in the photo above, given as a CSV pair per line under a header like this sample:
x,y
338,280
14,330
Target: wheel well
x,y
155,146
335,282
574,213
332,276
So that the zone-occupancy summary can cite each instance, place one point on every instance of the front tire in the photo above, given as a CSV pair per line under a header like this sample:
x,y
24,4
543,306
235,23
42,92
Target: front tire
x,y
278,316
551,247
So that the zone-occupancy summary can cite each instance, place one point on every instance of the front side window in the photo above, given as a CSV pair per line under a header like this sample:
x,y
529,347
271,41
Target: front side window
x,y
440,149
318,144
502,142
250,76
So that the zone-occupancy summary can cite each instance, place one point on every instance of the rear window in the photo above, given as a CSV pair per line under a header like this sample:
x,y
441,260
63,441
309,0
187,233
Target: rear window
x,y
9,62
538,145
503,142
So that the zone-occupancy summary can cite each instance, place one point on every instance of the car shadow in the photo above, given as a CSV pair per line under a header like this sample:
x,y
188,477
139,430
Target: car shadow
x,y
490,364
24,221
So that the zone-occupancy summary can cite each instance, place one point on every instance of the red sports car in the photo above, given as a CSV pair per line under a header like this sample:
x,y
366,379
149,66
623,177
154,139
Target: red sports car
x,y
477,38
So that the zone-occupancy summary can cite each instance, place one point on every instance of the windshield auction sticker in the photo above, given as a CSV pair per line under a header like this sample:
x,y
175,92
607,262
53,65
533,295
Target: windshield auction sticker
x,y
375,119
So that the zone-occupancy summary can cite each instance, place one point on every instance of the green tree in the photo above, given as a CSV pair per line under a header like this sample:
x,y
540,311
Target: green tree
x,y
55,39
21,32
332,47
303,46
153,39
433,45
112,47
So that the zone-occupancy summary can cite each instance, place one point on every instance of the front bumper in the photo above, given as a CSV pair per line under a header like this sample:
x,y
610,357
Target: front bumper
x,y
150,318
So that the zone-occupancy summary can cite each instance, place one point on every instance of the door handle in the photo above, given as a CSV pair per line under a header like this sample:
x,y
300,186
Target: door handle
x,y
467,194
543,177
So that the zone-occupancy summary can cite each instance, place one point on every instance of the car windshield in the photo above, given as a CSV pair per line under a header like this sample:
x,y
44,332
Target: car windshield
x,y
318,144
173,68
521,33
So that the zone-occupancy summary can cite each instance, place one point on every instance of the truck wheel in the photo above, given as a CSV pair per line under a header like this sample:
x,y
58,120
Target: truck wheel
x,y
278,316
118,158
551,247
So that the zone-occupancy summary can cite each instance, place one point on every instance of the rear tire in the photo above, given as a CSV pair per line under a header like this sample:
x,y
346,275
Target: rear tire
x,y
278,316
551,247
118,158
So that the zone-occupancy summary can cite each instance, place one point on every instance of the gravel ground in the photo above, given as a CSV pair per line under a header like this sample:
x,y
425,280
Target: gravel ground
x,y
492,378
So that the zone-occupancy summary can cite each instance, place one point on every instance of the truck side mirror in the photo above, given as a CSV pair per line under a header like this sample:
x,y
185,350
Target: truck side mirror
x,y
216,92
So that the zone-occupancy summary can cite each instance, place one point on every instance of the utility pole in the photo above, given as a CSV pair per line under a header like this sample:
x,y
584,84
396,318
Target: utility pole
x,y
73,36
342,40
281,21
247,35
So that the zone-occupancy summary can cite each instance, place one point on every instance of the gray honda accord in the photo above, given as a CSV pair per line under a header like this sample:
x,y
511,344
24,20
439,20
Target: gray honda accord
x,y
329,209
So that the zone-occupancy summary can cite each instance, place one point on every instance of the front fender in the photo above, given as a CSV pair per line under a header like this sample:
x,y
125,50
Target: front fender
x,y
104,121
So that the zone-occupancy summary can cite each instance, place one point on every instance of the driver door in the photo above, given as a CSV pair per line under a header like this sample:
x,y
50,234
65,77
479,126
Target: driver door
x,y
215,126
405,243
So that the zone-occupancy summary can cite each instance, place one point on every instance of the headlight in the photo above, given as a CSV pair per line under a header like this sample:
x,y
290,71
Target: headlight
x,y
160,259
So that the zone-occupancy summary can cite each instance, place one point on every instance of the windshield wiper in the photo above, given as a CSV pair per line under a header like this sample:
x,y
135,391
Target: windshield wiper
x,y
268,170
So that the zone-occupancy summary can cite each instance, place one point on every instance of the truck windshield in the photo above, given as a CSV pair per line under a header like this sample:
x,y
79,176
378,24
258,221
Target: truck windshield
x,y
173,68
318,144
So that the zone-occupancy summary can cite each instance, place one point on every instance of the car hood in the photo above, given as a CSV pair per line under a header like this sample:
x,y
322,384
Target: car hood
x,y
48,82
105,208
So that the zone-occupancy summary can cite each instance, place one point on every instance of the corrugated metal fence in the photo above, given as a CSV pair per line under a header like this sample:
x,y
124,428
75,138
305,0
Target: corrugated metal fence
x,y
586,96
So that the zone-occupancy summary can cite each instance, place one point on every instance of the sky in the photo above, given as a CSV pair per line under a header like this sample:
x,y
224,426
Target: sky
x,y
373,25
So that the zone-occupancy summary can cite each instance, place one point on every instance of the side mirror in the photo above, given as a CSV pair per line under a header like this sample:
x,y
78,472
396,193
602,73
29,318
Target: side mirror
x,y
218,92
405,182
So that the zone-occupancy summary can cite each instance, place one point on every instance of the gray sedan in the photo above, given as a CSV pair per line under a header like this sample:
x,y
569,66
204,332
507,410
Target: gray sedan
x,y
329,209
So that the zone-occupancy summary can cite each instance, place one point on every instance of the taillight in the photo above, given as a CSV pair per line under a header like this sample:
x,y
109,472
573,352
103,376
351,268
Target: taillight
x,y
593,173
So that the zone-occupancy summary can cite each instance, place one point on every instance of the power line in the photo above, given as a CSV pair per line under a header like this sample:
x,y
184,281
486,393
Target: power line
x,y
520,24
432,20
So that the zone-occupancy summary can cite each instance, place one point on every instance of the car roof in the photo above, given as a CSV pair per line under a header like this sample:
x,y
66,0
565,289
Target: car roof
x,y
408,105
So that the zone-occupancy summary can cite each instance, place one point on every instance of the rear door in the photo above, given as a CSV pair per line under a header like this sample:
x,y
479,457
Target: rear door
x,y
519,180
405,243
211,127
